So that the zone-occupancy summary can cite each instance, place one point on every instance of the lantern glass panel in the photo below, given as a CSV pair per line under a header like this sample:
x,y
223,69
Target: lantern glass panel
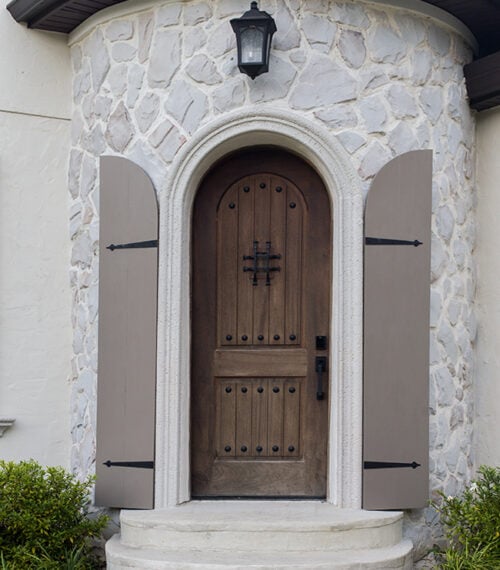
x,y
252,43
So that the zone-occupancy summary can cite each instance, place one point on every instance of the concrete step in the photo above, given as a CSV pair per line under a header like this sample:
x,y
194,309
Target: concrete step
x,y
122,557
269,526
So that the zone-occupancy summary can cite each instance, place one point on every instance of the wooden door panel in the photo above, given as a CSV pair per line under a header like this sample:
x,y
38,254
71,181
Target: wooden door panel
x,y
261,362
261,240
258,417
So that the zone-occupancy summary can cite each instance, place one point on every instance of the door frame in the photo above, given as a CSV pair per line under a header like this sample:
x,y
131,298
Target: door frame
x,y
257,127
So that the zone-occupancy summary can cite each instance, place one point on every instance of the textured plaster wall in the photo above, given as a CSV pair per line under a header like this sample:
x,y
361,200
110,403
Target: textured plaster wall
x,y
35,297
487,387
383,81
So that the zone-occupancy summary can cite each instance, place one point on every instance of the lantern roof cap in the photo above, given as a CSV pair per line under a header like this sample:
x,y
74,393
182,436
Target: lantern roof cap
x,y
255,14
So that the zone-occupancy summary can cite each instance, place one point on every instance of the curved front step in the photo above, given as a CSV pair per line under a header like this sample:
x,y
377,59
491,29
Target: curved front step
x,y
120,557
275,526
269,526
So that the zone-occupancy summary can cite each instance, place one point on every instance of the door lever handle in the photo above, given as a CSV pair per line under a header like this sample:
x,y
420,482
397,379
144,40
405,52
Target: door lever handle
x,y
321,364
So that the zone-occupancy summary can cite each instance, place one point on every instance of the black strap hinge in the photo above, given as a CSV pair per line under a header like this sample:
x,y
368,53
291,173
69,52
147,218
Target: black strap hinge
x,y
134,245
386,241
389,465
136,464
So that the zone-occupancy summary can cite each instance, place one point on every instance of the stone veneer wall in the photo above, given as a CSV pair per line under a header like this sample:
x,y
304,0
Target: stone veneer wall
x,y
382,80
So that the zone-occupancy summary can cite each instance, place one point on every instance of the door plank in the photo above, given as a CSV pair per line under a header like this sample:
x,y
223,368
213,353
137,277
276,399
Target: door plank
x,y
277,236
227,265
245,241
293,297
275,403
292,400
227,418
243,420
262,235
260,417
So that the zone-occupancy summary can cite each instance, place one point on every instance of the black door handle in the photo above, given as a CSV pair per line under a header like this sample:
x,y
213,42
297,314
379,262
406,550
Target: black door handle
x,y
321,364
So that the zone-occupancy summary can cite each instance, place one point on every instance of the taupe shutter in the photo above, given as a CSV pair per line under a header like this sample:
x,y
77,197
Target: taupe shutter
x,y
128,266
396,334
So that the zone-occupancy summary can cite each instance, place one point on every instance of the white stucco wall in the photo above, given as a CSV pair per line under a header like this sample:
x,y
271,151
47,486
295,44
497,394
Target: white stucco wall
x,y
35,299
487,426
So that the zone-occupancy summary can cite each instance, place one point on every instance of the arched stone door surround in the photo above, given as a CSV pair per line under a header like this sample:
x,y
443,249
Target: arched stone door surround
x,y
260,126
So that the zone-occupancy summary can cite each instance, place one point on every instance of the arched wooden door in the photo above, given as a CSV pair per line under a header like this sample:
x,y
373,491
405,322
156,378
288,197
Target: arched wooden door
x,y
261,280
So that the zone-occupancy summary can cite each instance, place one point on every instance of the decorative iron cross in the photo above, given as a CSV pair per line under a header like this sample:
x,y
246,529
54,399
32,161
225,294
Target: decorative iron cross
x,y
261,262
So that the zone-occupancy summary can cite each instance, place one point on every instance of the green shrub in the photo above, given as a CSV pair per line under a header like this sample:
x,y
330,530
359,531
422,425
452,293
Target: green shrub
x,y
44,520
472,525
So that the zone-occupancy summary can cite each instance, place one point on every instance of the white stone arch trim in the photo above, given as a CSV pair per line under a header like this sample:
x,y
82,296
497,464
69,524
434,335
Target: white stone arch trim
x,y
260,126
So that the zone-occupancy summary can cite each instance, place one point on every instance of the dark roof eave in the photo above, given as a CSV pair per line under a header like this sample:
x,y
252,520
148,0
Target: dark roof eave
x,y
482,77
39,13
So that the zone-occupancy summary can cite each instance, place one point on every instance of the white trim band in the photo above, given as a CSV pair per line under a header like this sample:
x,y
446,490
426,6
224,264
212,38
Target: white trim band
x,y
260,126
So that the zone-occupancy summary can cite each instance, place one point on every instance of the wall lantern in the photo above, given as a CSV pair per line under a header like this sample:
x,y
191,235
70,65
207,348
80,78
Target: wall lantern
x,y
254,32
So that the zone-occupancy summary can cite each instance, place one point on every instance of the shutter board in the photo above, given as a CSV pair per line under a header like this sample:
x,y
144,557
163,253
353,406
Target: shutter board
x,y
396,334
127,335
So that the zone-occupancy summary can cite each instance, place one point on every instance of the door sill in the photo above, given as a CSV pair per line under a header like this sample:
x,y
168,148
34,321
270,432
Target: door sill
x,y
255,498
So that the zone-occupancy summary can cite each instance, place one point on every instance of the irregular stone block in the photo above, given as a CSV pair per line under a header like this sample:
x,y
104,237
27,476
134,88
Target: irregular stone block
x,y
165,58
171,145
402,103
123,52
350,14
319,32
134,84
96,49
117,80
351,141
193,41
338,116
376,156
374,114
119,30
147,111
187,104
230,95
159,134
203,70
352,48
323,82
288,36
169,15
220,41
195,13
385,46
431,100
119,132
273,85
146,26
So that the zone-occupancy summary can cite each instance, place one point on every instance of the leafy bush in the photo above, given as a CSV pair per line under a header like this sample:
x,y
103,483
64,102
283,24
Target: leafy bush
x,y
44,520
472,525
